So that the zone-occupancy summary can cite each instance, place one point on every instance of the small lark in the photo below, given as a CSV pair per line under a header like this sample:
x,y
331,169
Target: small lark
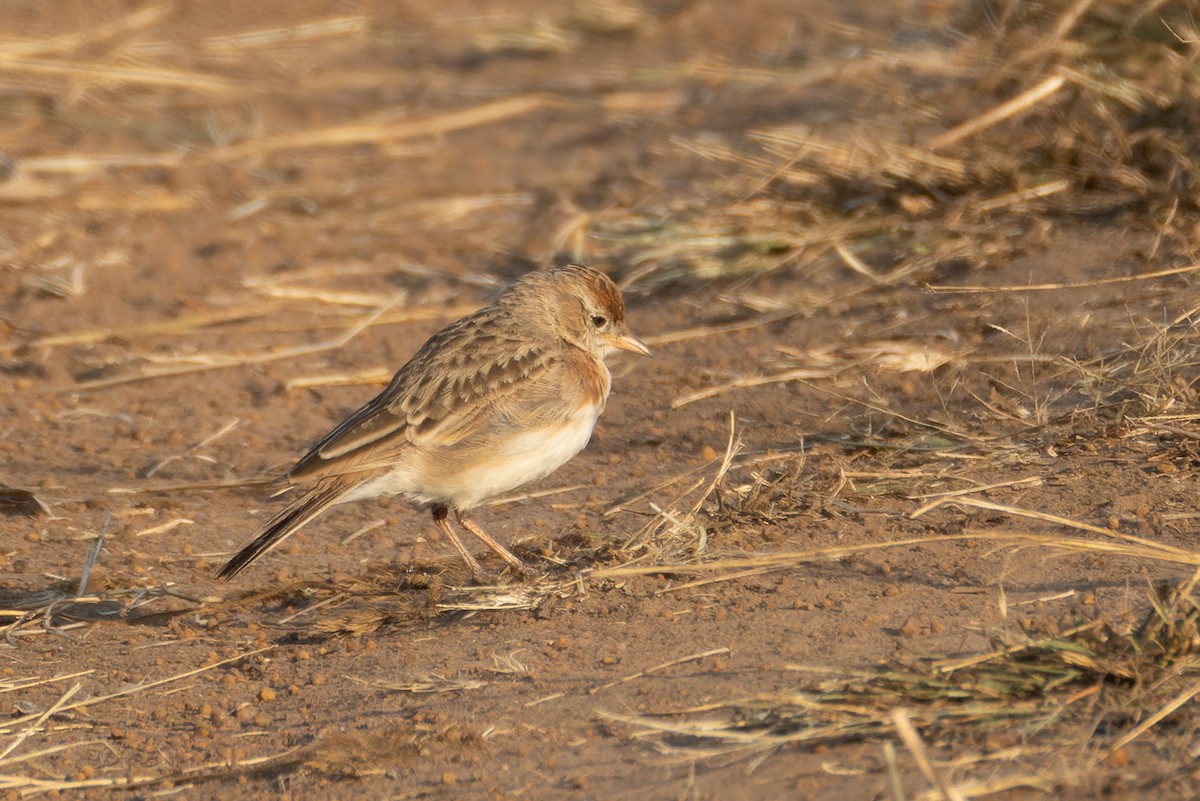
x,y
500,398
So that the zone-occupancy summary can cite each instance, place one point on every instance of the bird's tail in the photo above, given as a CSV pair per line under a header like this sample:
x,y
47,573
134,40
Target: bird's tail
x,y
287,522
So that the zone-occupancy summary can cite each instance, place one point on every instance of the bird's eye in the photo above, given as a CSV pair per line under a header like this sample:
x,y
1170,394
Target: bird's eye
x,y
599,320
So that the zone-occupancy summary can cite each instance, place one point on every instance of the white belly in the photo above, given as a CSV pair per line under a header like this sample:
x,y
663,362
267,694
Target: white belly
x,y
465,480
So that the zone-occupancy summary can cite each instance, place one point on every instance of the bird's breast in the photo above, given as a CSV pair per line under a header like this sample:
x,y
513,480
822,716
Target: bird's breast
x,y
467,476
518,458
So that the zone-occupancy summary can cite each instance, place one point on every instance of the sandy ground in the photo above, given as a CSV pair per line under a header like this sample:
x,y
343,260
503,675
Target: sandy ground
x,y
311,204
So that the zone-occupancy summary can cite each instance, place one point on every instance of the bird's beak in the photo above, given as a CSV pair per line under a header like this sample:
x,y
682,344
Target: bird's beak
x,y
627,341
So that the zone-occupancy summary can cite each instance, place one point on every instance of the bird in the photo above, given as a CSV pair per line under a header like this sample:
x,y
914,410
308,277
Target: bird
x,y
500,398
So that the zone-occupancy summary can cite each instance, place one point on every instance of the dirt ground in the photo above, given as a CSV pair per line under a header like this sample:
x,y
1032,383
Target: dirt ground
x,y
882,425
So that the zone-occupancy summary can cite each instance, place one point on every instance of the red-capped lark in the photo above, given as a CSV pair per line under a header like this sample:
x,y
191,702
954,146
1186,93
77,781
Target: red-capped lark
x,y
500,398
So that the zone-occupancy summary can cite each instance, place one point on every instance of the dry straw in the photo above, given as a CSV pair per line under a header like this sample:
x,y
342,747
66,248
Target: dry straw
x,y
1079,109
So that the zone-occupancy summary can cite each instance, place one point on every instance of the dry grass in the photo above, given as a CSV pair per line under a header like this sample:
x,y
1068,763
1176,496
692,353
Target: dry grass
x,y
1045,115
1034,692
1081,110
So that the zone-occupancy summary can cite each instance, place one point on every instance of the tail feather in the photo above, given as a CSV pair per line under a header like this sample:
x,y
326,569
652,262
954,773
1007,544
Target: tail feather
x,y
286,523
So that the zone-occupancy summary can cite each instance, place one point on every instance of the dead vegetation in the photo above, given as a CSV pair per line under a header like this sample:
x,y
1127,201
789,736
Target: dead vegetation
x,y
1035,117
1093,118
1078,110
1025,698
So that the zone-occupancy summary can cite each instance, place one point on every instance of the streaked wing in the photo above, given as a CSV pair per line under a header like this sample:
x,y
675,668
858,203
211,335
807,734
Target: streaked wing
x,y
456,380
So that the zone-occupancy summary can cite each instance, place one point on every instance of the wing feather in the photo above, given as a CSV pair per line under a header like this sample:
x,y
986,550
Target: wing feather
x,y
451,387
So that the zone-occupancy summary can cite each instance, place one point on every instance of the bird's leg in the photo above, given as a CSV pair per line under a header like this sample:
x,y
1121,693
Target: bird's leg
x,y
440,513
505,554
